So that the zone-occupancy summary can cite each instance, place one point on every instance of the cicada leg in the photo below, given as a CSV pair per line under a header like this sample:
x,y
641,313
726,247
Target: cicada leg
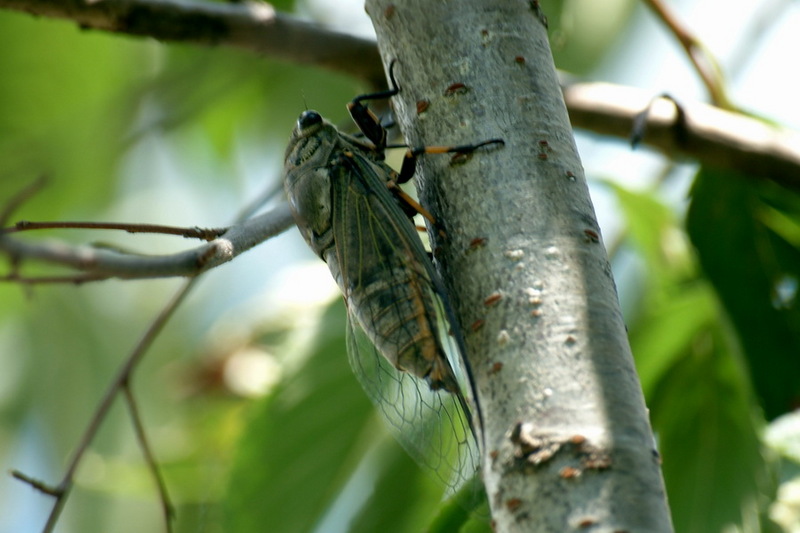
x,y
410,159
369,124
409,205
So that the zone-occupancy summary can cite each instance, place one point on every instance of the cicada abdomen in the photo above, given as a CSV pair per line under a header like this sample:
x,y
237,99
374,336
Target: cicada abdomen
x,y
338,191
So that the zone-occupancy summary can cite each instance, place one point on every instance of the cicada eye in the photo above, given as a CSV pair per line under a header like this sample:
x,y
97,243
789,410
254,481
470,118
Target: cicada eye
x,y
308,119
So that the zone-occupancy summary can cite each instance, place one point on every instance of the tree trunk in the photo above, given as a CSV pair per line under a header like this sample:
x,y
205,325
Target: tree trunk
x,y
567,444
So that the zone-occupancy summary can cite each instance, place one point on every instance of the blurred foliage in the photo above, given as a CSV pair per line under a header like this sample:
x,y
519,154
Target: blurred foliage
x,y
583,31
753,261
697,388
336,447
714,324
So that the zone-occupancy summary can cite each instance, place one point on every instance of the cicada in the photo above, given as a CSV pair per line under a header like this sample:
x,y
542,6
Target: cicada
x,y
349,210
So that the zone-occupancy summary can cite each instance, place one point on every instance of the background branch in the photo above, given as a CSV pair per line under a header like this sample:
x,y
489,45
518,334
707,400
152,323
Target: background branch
x,y
121,382
725,140
708,134
206,234
251,26
701,58
103,263
144,444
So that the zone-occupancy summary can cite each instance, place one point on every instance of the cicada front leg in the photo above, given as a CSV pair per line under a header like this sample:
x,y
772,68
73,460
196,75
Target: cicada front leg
x,y
370,126
368,123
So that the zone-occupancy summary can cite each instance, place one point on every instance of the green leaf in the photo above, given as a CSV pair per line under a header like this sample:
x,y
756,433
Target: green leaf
x,y
581,35
653,230
673,305
696,386
660,337
708,436
64,108
407,498
466,511
403,495
315,456
755,272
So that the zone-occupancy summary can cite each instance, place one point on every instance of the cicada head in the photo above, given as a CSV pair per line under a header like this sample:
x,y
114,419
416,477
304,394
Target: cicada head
x,y
307,176
312,141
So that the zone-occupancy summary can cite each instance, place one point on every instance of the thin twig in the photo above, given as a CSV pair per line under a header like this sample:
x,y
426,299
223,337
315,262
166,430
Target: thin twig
x,y
704,62
122,377
149,457
75,279
20,198
237,239
106,263
206,234
37,484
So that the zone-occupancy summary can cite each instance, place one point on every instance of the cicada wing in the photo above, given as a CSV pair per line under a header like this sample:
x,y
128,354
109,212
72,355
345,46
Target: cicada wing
x,y
431,425
396,345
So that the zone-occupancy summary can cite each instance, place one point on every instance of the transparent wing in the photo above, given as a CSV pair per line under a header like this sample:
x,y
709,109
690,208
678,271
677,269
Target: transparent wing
x,y
398,319
431,425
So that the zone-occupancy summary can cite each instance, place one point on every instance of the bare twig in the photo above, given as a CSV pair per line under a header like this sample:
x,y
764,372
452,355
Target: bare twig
x,y
76,279
103,263
251,26
62,490
120,382
141,437
37,484
206,234
704,62
20,198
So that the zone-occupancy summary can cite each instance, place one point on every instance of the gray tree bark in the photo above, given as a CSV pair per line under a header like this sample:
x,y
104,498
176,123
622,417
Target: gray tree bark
x,y
567,444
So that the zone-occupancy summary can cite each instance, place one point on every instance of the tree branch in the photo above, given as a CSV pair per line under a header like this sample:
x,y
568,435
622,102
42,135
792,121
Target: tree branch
x,y
727,140
251,26
104,264
702,59
138,427
568,444
121,382
699,131
206,234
